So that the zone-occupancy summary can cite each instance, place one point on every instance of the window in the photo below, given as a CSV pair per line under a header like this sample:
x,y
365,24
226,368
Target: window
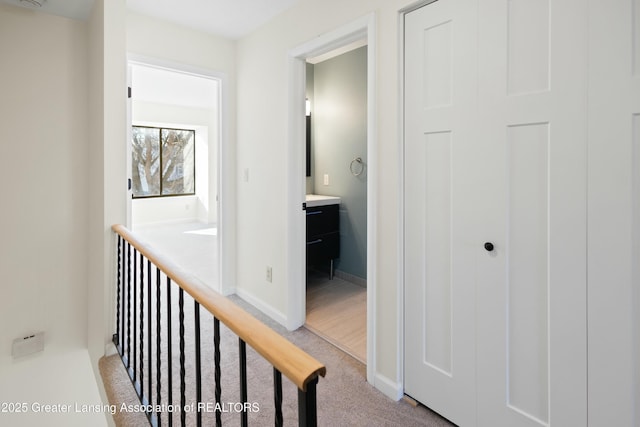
x,y
163,162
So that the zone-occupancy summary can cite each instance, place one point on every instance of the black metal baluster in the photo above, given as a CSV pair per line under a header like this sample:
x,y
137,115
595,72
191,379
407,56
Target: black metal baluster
x,y
141,328
126,301
183,398
149,340
307,414
124,245
158,343
217,373
128,306
169,356
244,421
277,396
196,310
116,338
135,318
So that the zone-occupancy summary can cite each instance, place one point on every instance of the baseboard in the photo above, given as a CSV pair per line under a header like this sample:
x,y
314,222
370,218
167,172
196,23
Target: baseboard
x,y
351,278
110,349
170,222
274,314
389,388
226,291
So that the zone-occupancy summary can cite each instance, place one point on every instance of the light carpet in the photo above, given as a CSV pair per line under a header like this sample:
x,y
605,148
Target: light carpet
x,y
344,397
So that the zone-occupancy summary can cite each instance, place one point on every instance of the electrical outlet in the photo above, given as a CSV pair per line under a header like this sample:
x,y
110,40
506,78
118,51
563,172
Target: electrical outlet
x,y
326,179
269,274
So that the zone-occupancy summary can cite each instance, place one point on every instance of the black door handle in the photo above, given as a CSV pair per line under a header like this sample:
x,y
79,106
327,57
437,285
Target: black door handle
x,y
488,246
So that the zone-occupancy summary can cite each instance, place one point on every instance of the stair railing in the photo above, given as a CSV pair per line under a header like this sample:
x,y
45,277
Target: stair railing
x,y
140,274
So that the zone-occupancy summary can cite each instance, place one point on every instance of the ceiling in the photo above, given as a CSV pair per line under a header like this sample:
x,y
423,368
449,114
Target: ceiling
x,y
75,9
228,18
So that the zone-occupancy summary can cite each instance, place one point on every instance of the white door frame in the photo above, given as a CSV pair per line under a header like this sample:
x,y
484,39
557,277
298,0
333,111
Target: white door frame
x,y
296,313
225,167
129,193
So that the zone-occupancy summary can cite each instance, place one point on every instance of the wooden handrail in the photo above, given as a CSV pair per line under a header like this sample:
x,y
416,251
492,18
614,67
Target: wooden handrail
x,y
293,362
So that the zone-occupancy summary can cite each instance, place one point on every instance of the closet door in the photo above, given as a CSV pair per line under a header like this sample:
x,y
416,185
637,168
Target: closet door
x,y
441,165
495,211
531,290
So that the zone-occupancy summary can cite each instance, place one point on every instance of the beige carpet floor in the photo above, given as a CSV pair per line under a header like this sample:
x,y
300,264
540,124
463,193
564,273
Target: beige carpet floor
x,y
344,396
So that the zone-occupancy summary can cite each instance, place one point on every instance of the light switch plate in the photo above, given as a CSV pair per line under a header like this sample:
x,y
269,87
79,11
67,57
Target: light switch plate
x,y
27,345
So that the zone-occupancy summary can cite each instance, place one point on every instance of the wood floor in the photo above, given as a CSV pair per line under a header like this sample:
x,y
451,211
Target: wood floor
x,y
337,312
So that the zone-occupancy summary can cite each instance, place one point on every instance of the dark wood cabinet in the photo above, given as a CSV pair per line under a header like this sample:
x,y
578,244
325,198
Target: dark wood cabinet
x,y
323,235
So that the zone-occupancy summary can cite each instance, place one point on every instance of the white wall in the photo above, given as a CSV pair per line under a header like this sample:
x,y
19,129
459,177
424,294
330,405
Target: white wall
x,y
45,126
44,285
339,122
262,148
173,45
263,151
44,246
107,165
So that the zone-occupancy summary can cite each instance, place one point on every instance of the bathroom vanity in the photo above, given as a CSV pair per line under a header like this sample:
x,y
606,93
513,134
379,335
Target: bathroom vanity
x,y
323,230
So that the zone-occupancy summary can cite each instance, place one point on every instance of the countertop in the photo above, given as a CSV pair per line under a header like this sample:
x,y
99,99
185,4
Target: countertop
x,y
320,200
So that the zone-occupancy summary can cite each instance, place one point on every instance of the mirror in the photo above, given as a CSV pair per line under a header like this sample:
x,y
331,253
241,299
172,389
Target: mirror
x,y
308,145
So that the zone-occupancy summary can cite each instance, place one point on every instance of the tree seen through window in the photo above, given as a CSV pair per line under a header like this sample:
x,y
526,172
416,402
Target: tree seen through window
x,y
163,161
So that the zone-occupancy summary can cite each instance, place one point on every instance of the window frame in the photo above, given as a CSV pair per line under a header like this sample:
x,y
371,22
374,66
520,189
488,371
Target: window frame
x,y
161,173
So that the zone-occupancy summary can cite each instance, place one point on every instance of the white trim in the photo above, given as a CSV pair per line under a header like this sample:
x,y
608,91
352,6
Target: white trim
x,y
129,160
176,67
335,39
635,254
347,277
401,201
110,349
364,27
295,243
225,167
391,389
410,8
340,51
259,303
372,198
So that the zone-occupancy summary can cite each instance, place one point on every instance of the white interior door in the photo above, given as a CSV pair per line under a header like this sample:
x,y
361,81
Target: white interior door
x,y
531,305
440,126
508,169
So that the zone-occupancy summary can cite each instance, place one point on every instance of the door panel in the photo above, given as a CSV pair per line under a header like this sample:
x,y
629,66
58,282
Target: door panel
x,y
440,350
527,271
531,322
499,148
527,45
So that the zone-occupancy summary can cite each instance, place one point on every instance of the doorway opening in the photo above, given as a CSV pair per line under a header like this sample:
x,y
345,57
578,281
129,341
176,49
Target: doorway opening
x,y
336,197
361,29
174,150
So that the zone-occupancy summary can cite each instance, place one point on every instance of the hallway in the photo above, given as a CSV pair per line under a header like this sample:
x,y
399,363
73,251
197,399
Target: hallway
x,y
343,389
336,309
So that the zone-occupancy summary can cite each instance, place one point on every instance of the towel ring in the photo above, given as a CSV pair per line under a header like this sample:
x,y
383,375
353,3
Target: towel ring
x,y
357,160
